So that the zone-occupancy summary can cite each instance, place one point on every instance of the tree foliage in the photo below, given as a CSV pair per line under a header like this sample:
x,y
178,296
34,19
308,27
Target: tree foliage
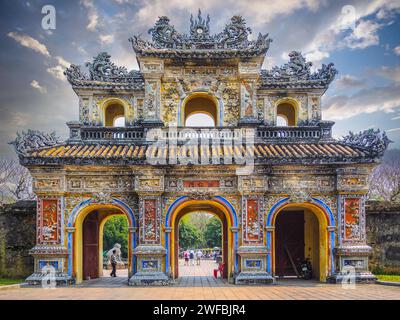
x,y
116,231
190,237
213,233
200,231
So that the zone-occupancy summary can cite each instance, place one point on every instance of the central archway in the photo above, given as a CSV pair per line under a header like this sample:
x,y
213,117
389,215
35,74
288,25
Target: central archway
x,y
218,206
201,207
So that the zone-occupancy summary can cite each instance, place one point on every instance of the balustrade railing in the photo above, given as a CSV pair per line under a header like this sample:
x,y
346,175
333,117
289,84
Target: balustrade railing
x,y
140,134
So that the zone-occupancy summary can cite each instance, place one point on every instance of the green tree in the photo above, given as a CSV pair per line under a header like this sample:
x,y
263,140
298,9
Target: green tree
x,y
189,236
213,233
116,231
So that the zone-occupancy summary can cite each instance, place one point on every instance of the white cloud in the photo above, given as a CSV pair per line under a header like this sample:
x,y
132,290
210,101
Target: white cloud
x,y
106,39
93,16
316,55
62,62
349,81
57,72
364,35
260,11
35,84
392,73
350,29
29,42
397,50
392,130
385,99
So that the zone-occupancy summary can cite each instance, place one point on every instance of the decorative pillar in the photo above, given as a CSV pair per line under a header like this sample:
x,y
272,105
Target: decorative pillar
x,y
249,73
152,71
253,252
49,254
149,253
352,252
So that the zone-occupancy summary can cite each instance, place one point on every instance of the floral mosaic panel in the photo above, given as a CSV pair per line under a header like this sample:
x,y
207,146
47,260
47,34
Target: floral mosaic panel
x,y
48,221
252,224
352,218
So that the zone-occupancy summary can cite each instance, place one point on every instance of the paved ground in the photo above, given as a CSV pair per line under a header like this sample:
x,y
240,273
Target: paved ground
x,y
198,283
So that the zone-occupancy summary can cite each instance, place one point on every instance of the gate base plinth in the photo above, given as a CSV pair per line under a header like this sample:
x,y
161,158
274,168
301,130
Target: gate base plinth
x,y
149,279
360,277
38,279
254,278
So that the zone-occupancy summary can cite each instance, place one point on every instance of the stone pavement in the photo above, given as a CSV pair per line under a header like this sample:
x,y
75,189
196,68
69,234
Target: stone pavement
x,y
198,283
199,276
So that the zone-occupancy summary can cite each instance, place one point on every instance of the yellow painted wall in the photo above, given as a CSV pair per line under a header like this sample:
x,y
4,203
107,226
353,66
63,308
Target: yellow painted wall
x,y
311,241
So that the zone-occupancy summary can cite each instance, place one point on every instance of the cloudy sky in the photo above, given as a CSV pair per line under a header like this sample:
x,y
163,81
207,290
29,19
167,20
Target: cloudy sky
x,y
361,37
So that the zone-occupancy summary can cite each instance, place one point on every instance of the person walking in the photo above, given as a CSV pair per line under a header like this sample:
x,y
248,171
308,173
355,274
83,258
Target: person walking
x,y
186,257
113,260
191,257
199,255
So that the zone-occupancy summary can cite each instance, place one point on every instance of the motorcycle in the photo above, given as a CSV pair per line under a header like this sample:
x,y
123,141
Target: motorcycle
x,y
306,269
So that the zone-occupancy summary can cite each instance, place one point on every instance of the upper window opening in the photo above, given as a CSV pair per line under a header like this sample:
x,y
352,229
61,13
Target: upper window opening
x,y
286,115
115,115
200,111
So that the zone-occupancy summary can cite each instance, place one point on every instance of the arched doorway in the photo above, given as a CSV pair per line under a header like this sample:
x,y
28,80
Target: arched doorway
x,y
218,206
193,209
87,221
200,109
301,230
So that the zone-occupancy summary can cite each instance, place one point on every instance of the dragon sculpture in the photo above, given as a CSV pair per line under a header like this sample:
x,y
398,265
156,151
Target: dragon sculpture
x,y
368,139
299,70
33,140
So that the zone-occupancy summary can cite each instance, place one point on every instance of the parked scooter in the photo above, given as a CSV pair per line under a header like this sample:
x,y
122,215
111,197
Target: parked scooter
x,y
306,269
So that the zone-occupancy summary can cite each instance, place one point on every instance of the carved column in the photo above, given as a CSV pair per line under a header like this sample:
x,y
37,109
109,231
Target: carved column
x,y
152,71
253,252
249,74
149,253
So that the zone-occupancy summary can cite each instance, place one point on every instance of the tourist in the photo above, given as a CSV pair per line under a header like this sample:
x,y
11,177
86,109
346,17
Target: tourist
x,y
113,260
186,256
191,257
199,254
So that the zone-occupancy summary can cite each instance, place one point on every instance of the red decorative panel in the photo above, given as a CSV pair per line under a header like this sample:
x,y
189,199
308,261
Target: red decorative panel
x,y
150,220
352,218
49,221
252,227
201,184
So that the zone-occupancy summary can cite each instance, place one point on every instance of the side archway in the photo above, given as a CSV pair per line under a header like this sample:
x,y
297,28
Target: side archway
x,y
75,233
326,227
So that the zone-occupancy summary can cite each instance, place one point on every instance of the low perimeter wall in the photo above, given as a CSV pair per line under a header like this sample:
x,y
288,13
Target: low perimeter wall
x,y
383,234
17,237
